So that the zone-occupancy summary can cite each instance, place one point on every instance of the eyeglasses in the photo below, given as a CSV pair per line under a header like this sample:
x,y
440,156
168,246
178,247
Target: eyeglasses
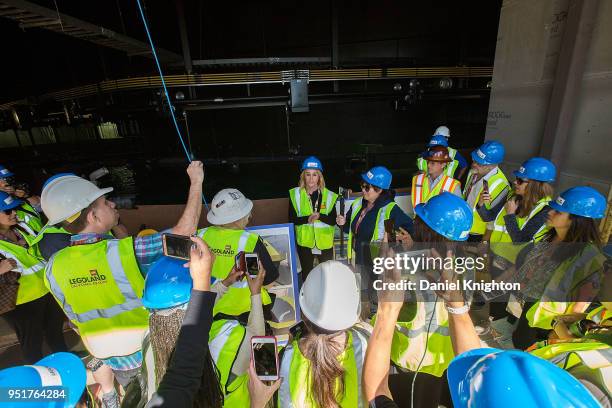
x,y
367,186
520,181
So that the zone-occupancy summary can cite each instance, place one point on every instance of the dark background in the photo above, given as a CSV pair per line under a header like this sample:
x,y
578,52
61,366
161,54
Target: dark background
x,y
257,149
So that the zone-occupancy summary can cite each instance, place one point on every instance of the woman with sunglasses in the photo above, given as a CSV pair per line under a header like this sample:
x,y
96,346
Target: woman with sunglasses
x,y
313,212
564,271
36,316
367,217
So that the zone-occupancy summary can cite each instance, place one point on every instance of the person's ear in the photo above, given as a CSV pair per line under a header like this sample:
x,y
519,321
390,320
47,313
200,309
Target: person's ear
x,y
91,217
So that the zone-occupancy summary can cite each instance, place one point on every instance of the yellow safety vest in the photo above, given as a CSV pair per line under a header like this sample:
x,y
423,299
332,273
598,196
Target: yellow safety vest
x,y
32,270
28,215
497,183
226,243
99,286
384,213
421,192
295,370
506,248
592,359
450,167
318,233
565,278
225,339
409,339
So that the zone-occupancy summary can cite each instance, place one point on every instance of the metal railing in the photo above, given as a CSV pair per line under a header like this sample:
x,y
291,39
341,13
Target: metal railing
x,y
152,82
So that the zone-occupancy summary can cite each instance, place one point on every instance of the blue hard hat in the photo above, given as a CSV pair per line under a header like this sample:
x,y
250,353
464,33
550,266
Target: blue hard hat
x,y
537,168
4,172
168,284
509,379
438,140
8,202
448,215
378,176
60,369
312,163
581,200
491,152
58,175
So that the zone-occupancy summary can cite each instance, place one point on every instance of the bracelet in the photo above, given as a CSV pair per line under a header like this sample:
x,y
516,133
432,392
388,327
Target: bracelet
x,y
457,310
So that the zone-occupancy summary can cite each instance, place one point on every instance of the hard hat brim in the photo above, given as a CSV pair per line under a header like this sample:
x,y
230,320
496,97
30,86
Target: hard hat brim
x,y
481,161
364,177
217,220
555,206
447,160
93,198
72,371
518,174
10,174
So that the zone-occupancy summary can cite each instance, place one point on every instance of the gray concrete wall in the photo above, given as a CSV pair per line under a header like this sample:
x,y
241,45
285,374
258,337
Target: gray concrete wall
x,y
528,44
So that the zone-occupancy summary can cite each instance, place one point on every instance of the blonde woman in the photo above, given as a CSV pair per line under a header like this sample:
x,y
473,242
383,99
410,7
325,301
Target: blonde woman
x,y
313,212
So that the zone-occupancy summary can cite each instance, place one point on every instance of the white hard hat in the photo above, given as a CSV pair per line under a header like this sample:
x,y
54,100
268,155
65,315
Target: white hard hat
x,y
227,206
442,131
329,297
66,195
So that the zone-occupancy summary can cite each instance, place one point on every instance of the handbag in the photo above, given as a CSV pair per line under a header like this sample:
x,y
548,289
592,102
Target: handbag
x,y
9,285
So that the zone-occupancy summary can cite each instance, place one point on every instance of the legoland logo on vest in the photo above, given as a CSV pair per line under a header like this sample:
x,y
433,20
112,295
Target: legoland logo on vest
x,y
227,251
94,278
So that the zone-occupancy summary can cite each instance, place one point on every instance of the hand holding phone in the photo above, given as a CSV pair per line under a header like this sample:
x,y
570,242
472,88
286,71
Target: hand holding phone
x,y
256,282
390,230
265,357
177,246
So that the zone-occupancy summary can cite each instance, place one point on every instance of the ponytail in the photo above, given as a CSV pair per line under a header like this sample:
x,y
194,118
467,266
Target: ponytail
x,y
322,350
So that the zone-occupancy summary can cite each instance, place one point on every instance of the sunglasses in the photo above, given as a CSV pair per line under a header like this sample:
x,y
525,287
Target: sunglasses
x,y
367,186
520,181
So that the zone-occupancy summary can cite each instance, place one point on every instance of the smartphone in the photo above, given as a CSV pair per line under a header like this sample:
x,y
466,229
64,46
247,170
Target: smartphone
x,y
265,357
390,230
296,330
177,246
252,264
240,261
485,186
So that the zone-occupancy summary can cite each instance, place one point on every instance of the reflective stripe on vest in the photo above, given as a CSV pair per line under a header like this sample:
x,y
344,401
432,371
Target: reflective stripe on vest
x,y
226,337
379,225
114,262
99,287
31,282
562,284
507,248
295,369
593,355
497,183
409,339
317,234
421,192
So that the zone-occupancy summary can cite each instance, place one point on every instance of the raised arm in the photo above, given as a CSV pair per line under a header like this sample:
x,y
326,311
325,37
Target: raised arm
x,y
188,223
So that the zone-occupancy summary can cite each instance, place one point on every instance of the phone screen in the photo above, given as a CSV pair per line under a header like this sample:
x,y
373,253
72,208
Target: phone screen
x,y
264,356
177,246
390,229
252,266
485,185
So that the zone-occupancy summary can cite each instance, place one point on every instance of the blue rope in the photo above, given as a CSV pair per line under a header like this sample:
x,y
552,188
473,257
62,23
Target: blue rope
x,y
163,80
